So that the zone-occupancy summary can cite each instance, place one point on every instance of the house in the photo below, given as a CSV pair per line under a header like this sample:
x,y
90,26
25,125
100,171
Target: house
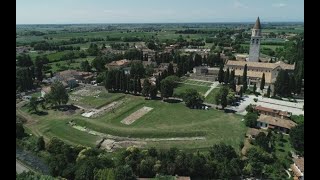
x,y
298,168
273,112
45,90
253,133
269,122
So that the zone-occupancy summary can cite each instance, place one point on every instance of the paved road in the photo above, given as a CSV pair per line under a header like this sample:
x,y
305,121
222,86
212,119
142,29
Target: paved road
x,y
21,167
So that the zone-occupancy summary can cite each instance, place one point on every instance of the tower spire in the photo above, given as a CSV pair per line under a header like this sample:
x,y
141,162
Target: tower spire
x,y
257,25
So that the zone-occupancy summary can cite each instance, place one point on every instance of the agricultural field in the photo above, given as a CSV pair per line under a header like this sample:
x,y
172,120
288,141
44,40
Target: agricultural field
x,y
165,120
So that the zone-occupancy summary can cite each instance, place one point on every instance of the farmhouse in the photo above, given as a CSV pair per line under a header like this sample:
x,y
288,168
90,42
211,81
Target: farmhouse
x,y
273,112
269,122
298,168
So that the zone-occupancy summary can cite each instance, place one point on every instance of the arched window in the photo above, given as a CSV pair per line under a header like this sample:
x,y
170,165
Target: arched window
x,y
257,41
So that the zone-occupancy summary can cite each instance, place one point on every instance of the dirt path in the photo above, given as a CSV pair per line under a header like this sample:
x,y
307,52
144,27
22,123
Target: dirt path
x,y
136,115
20,167
214,85
119,138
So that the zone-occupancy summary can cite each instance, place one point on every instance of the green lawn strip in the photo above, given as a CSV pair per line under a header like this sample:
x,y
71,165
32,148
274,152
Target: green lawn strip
x,y
183,87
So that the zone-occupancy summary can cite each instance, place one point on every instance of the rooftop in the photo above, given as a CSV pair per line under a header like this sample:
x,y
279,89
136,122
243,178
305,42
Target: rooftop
x,y
257,25
276,121
261,64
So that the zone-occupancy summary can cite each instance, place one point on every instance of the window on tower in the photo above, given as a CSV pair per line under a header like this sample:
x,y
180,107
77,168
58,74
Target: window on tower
x,y
252,41
257,41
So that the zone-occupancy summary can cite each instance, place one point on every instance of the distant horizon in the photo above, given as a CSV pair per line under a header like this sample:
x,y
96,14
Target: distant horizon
x,y
156,11
245,22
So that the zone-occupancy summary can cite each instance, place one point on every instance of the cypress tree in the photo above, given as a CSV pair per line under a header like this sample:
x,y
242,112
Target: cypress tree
x,y
269,91
232,76
244,78
239,81
254,88
241,92
226,76
221,74
263,82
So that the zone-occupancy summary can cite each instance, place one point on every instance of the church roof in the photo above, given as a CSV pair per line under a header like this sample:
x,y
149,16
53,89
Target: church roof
x,y
257,25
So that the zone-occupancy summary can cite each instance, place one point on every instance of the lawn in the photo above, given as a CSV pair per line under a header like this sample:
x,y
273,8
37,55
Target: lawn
x,y
165,120
211,96
97,101
183,87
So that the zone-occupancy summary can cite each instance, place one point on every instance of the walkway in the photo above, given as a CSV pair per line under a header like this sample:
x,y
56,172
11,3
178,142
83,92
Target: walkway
x,y
214,85
20,167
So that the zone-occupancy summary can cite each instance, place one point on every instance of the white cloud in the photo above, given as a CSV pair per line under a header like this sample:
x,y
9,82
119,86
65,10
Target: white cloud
x,y
279,5
237,4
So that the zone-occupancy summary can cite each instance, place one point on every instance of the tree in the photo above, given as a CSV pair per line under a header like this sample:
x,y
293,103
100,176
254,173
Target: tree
x,y
226,76
263,82
232,76
241,92
281,86
221,74
262,140
221,96
167,87
238,81
98,63
24,79
170,70
124,173
146,88
85,66
297,137
58,94
268,91
20,131
33,104
40,143
197,60
244,78
192,98
251,119
254,88
153,91
138,84
38,68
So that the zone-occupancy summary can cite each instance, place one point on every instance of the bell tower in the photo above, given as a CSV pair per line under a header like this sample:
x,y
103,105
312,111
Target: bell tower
x,y
254,52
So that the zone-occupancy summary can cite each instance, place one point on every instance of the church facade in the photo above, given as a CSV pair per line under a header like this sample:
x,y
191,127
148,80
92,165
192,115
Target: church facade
x,y
255,68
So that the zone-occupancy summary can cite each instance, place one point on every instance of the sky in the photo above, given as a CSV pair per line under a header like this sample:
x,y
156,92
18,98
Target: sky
x,y
156,11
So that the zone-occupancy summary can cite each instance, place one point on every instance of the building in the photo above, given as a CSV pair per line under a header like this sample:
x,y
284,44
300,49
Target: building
x,y
253,133
256,69
269,122
254,52
298,168
117,64
273,112
71,78
205,73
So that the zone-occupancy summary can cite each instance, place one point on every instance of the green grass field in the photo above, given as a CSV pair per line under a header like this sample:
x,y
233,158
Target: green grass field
x,y
201,87
56,66
211,96
166,120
